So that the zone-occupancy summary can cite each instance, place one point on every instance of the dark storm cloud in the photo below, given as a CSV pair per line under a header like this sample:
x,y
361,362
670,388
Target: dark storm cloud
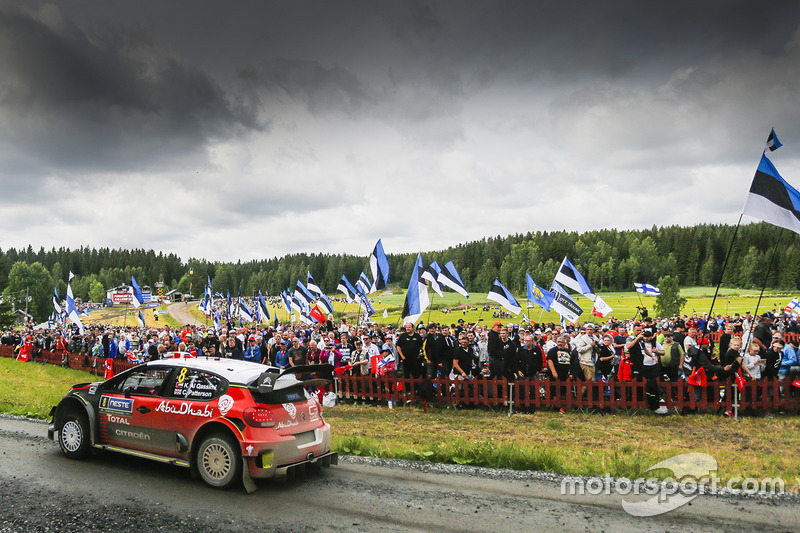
x,y
93,102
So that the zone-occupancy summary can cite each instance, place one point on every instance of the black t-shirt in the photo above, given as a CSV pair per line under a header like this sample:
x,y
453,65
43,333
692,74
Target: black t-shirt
x,y
410,344
773,360
731,358
604,367
466,359
724,342
764,334
562,360
346,350
529,362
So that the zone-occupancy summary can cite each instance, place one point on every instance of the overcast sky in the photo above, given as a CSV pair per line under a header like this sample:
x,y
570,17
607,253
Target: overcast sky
x,y
236,130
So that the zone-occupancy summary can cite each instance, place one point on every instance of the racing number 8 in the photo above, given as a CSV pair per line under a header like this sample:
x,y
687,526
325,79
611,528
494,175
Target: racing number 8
x,y
182,375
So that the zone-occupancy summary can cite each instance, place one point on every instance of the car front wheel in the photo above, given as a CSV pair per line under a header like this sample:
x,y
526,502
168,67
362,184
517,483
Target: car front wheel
x,y
219,461
73,436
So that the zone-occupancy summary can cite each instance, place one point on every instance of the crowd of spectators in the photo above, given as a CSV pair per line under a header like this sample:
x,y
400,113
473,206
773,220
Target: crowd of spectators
x,y
641,349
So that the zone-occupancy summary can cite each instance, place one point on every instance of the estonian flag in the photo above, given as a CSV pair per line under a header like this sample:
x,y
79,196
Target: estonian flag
x,y
229,309
646,288
136,292
772,141
262,308
141,320
287,301
347,288
245,313
56,305
417,295
772,199
541,297
325,304
432,275
379,266
217,323
564,305
302,294
569,276
312,285
449,278
501,295
363,284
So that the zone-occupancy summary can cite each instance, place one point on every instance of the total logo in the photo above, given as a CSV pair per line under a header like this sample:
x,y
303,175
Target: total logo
x,y
117,420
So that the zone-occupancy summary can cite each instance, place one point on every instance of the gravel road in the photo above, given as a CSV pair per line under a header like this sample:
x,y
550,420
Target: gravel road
x,y
43,491
179,311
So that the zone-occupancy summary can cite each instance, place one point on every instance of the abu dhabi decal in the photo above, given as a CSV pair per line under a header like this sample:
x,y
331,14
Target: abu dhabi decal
x,y
225,403
184,408
121,406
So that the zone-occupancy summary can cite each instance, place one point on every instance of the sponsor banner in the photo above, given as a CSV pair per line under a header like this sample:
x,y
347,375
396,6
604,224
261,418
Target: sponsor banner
x,y
110,404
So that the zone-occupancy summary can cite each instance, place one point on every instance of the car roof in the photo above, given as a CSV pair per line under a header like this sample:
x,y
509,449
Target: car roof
x,y
234,370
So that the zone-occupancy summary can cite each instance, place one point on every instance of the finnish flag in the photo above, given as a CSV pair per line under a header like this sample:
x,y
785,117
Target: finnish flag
x,y
646,288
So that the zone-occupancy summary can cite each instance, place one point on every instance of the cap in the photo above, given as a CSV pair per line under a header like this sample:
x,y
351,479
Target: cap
x,y
497,323
386,348
548,330
766,315
283,341
251,338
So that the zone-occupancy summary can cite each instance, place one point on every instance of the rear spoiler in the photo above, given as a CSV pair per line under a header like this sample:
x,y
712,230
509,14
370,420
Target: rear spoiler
x,y
309,375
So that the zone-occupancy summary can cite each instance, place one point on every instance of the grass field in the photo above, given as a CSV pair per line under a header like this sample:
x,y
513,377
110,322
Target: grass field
x,y
699,299
620,445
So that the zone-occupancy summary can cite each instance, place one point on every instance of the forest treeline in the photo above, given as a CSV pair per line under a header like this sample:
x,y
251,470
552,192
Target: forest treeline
x,y
611,260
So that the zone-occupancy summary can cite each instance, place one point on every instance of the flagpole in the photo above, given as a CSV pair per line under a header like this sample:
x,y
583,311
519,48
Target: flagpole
x,y
722,273
769,267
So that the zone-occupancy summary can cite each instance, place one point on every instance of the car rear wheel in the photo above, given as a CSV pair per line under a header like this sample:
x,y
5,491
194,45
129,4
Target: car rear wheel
x,y
219,461
73,435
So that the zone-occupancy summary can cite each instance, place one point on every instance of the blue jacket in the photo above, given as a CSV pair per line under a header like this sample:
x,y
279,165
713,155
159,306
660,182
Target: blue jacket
x,y
789,358
253,353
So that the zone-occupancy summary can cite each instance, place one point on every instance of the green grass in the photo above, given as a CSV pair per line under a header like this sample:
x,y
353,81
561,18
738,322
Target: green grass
x,y
31,389
583,444
580,444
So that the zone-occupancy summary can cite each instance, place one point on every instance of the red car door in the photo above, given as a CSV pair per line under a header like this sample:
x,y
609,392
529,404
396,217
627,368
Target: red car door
x,y
128,414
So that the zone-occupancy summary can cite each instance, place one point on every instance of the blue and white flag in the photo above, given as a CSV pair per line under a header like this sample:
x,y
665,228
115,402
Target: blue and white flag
x,y
793,307
379,266
772,199
263,311
646,288
72,310
229,309
501,295
303,294
417,295
541,297
287,301
245,313
432,275
217,323
449,278
366,305
141,320
564,305
312,285
569,276
84,312
325,304
363,284
772,141
348,289
136,293
56,304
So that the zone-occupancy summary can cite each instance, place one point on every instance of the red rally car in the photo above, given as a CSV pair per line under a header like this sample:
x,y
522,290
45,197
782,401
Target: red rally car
x,y
228,420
